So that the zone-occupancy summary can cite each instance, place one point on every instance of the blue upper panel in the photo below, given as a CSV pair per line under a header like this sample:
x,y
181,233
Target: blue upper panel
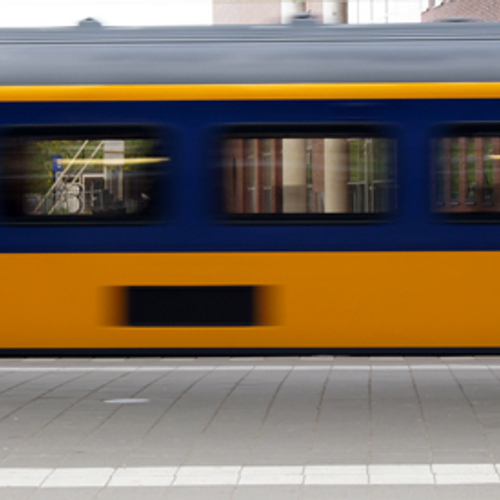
x,y
188,219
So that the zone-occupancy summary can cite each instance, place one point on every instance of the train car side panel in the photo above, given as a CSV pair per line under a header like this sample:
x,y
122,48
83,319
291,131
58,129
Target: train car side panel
x,y
304,300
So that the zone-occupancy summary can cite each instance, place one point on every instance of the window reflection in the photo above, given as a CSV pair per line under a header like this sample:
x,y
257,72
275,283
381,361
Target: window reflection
x,y
466,174
88,176
307,174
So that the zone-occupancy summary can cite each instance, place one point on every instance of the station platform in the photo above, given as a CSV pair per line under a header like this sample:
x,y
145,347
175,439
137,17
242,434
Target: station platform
x,y
305,428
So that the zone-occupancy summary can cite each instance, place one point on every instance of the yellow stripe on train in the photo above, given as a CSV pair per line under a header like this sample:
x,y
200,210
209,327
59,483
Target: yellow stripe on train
x,y
229,92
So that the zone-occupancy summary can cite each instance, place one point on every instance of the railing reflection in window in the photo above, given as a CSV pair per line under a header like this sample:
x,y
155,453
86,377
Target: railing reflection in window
x,y
80,177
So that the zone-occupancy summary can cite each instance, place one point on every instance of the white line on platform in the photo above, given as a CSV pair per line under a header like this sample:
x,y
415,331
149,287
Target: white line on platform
x,y
229,368
100,477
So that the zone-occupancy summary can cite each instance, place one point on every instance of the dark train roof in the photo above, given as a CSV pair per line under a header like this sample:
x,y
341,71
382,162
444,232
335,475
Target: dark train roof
x,y
299,52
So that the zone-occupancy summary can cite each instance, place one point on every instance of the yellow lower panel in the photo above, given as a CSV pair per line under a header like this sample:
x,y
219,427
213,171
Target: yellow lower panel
x,y
310,300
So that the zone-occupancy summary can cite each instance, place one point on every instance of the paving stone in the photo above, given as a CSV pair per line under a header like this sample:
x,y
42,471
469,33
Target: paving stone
x,y
468,492
16,493
131,493
265,412
404,492
271,492
200,493
66,494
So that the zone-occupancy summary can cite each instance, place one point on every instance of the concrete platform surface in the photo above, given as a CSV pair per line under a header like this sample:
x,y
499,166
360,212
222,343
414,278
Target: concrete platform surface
x,y
250,428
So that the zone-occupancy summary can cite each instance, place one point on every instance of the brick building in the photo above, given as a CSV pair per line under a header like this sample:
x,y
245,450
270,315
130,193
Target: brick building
x,y
481,10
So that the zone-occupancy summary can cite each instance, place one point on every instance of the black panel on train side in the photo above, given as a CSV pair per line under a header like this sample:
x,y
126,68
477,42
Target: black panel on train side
x,y
191,306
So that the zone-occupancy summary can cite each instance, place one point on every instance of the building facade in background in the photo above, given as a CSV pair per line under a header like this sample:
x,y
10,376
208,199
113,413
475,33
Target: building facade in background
x,y
326,11
271,11
481,10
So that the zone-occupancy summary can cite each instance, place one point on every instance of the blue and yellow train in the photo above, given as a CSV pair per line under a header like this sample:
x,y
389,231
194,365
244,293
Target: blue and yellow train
x,y
298,188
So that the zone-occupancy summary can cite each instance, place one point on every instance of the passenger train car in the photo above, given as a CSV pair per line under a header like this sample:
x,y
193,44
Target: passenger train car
x,y
265,189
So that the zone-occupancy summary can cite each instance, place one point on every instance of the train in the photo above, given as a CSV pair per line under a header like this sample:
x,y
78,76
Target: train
x,y
301,188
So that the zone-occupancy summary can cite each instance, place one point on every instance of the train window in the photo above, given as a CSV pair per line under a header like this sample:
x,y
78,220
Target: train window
x,y
81,175
270,174
466,174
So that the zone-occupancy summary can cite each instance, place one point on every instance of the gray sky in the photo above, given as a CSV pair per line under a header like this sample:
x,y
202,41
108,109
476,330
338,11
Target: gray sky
x,y
27,13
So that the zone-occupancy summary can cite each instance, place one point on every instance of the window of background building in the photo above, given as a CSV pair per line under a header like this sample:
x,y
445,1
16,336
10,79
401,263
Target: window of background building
x,y
283,174
466,173
80,175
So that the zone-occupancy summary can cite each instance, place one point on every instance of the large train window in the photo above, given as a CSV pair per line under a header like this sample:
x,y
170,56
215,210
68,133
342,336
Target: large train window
x,y
302,174
104,174
466,173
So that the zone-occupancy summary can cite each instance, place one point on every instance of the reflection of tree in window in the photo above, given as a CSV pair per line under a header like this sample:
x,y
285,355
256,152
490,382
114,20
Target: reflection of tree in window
x,y
381,177
488,180
455,171
370,176
471,170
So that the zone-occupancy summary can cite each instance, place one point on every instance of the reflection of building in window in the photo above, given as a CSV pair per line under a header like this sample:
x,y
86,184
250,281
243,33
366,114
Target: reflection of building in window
x,y
79,177
253,175
467,174
308,175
